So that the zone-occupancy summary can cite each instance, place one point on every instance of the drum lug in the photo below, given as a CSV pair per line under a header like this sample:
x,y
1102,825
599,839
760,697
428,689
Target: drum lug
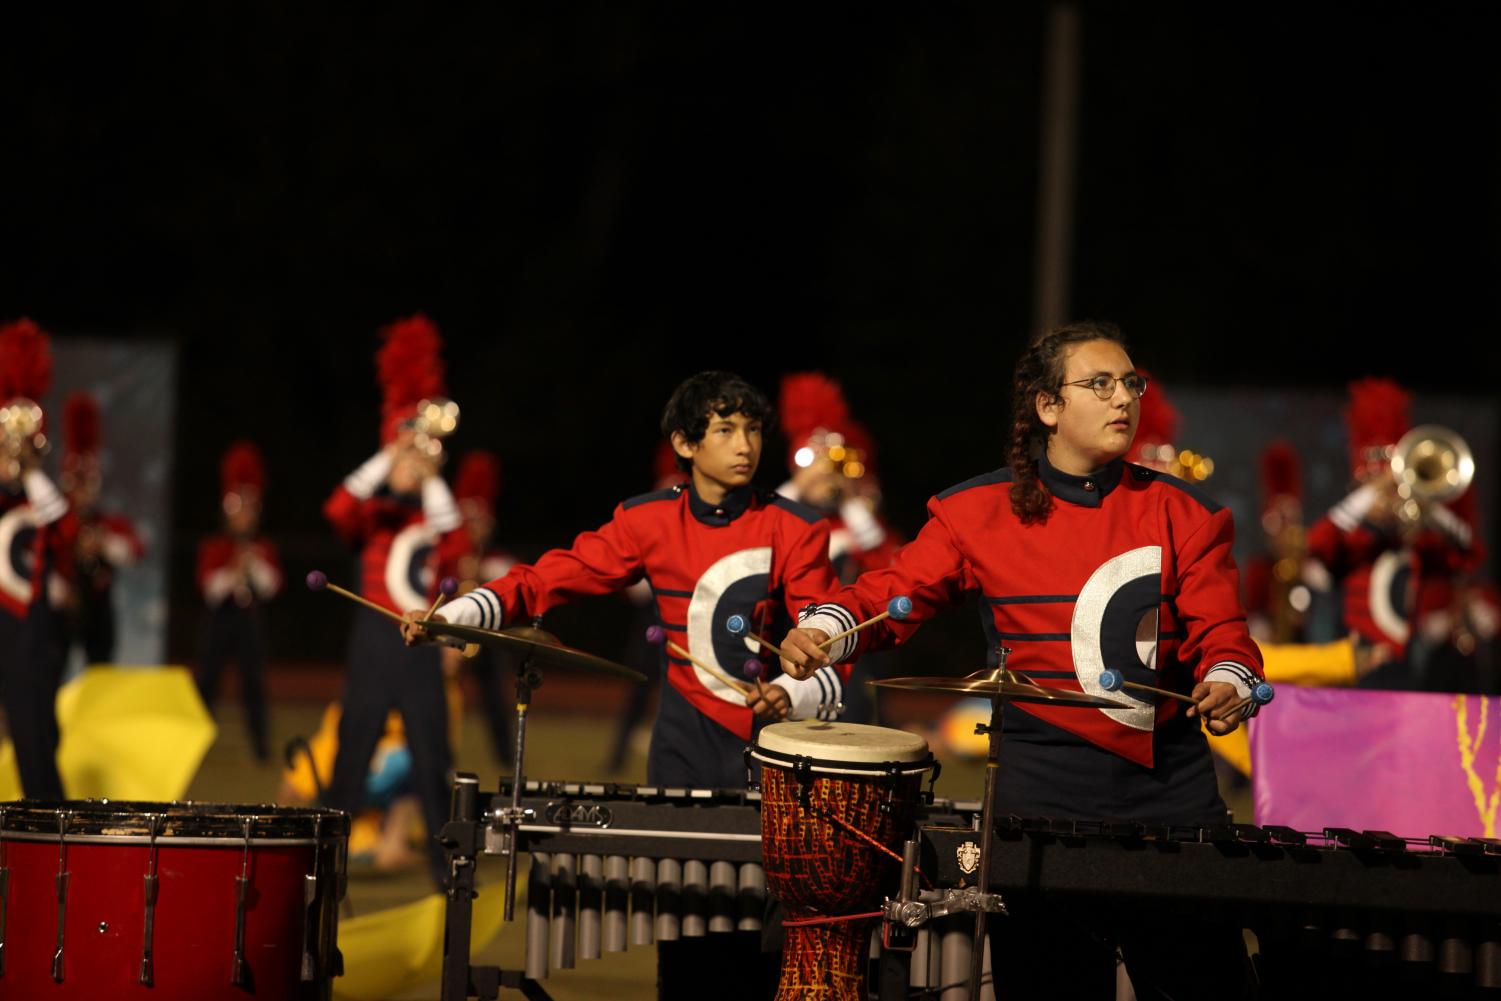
x,y
148,973
62,893
239,975
4,889
310,908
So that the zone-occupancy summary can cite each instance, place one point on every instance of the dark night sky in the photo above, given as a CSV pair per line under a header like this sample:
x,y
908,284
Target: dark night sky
x,y
595,202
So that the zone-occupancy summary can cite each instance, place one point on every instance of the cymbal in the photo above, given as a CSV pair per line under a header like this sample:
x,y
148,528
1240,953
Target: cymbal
x,y
1010,686
538,644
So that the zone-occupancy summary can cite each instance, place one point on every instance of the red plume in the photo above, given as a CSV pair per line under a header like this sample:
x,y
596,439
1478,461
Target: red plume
x,y
242,470
1158,423
25,361
1280,473
810,401
80,427
409,368
665,471
1377,416
478,478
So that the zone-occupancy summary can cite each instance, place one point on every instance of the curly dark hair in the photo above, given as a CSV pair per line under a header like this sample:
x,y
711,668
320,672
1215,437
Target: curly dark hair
x,y
723,393
1040,371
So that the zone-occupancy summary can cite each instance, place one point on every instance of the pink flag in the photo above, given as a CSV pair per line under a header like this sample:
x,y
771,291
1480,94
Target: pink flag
x,y
1412,763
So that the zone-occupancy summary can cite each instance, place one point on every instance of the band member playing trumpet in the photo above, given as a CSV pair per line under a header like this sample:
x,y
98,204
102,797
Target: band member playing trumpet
x,y
396,512
1084,562
711,548
832,461
1396,543
30,505
238,573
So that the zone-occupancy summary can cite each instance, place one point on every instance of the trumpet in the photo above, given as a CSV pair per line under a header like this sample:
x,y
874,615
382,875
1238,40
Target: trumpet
x,y
21,437
435,419
1430,464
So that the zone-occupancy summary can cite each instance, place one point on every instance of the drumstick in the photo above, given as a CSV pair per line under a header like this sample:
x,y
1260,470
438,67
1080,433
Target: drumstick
x,y
897,608
318,580
656,634
737,626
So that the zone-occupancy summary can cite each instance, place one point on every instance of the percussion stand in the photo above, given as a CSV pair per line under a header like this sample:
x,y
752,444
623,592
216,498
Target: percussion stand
x,y
465,838
912,913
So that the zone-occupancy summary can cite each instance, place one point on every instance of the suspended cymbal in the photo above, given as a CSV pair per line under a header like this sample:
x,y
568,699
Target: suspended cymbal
x,y
538,644
1008,685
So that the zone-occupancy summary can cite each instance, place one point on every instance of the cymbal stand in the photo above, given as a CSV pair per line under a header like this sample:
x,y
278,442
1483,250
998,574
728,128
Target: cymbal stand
x,y
911,912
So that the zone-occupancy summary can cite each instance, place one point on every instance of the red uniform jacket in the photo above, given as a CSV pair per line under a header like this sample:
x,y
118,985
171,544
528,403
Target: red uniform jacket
x,y
397,546
1132,571
704,563
222,576
1387,579
30,553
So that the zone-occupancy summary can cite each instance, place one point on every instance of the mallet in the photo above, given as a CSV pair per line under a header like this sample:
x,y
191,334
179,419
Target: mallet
x,y
897,608
658,635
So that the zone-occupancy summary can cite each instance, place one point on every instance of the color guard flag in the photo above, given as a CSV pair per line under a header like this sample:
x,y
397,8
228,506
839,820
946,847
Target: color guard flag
x,y
1412,763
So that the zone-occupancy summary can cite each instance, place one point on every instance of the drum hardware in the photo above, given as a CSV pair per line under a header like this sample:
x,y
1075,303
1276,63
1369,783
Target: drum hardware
x,y
153,823
4,888
309,902
62,892
240,973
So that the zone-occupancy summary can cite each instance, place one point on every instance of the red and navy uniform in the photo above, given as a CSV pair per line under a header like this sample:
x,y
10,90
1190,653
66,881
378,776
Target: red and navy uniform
x,y
1389,580
119,546
1132,570
34,538
397,539
236,577
704,563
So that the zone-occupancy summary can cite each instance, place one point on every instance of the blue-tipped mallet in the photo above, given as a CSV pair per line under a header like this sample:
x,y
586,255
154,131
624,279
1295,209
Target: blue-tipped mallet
x,y
738,626
897,608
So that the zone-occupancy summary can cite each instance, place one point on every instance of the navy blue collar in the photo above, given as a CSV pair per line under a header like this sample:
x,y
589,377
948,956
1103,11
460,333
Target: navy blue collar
x,y
1086,491
735,503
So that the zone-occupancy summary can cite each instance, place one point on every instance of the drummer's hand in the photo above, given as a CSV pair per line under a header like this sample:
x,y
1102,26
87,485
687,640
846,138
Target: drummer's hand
x,y
769,701
803,656
412,629
1215,701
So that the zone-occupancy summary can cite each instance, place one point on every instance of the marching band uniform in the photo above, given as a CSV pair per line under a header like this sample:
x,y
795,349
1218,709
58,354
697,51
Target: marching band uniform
x,y
1131,570
704,563
1389,578
238,573
30,504
397,537
105,542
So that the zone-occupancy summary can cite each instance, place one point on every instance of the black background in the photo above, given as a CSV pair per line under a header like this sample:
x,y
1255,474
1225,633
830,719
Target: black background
x,y
594,202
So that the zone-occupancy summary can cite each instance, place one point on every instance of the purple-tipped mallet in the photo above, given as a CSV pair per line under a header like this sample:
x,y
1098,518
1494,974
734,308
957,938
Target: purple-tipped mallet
x,y
656,635
448,586
754,669
317,580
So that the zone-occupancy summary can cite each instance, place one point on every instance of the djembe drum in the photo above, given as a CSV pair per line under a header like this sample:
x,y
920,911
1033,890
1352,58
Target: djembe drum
x,y
837,802
170,901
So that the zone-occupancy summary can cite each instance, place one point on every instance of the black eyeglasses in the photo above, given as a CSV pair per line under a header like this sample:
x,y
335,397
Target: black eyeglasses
x,y
1104,385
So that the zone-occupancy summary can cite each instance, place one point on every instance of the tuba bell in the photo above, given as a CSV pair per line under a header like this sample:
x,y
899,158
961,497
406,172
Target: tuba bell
x,y
1431,464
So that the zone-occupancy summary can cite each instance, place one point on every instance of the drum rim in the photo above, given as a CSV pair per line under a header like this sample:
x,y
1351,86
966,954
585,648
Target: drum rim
x,y
181,822
792,732
829,766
